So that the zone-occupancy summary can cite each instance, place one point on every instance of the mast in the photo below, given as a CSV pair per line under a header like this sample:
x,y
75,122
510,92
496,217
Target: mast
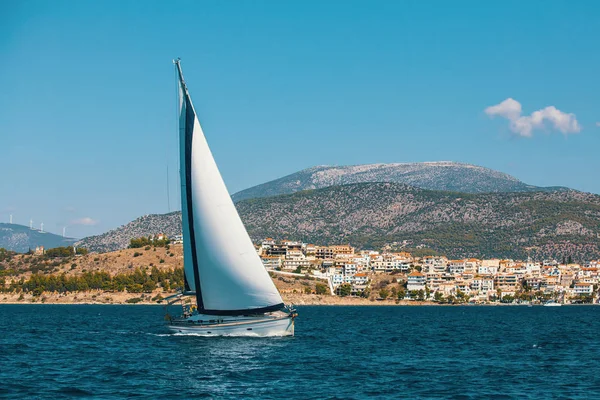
x,y
186,133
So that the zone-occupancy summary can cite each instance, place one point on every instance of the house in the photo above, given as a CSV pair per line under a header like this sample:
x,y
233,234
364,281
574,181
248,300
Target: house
x,y
323,252
349,269
389,262
337,279
533,267
416,281
507,280
533,282
456,267
295,260
360,279
582,288
482,285
472,265
271,262
434,264
177,239
342,249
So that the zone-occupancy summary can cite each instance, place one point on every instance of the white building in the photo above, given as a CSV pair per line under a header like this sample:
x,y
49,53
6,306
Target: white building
x,y
416,281
582,288
271,262
456,267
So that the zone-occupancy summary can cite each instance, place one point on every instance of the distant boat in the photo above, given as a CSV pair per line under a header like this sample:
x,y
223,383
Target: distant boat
x,y
552,303
234,294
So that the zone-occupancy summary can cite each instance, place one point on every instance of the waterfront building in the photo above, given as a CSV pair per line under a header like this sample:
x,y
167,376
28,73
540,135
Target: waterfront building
x,y
416,281
582,288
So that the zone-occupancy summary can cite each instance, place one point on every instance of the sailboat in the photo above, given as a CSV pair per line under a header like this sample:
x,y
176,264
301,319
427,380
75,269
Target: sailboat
x,y
233,292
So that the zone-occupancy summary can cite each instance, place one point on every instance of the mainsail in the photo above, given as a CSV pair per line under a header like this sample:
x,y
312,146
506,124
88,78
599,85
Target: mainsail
x,y
220,262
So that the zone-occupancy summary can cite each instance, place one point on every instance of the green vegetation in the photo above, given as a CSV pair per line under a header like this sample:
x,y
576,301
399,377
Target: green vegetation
x,y
138,281
63,252
401,293
423,252
133,300
147,241
6,255
344,290
321,288
371,215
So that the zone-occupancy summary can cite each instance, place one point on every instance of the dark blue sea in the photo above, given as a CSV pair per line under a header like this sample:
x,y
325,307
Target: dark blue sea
x,y
470,352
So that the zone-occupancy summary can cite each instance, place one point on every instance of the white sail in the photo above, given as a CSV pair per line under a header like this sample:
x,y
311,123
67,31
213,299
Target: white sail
x,y
220,262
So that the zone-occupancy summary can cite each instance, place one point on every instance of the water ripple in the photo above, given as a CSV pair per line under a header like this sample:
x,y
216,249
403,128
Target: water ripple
x,y
338,353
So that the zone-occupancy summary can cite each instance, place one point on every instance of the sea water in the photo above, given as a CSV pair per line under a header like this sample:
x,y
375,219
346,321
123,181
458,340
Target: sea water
x,y
467,352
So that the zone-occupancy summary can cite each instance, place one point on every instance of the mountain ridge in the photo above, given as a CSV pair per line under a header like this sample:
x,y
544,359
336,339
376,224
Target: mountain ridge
x,y
432,175
370,215
21,238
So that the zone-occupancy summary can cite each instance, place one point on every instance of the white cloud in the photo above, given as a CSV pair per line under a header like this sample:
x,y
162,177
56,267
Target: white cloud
x,y
509,109
84,221
524,125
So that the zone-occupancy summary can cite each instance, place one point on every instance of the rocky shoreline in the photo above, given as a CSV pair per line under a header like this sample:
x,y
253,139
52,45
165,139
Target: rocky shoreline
x,y
101,297
123,298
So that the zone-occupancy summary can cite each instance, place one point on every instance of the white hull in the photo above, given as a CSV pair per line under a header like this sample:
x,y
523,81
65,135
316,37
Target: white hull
x,y
237,327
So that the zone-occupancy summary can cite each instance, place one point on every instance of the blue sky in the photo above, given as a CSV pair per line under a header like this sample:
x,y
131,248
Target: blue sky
x,y
87,111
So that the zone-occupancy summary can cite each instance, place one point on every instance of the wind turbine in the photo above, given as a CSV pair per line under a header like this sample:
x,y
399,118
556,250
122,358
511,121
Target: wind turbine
x,y
42,227
11,218
30,224
64,230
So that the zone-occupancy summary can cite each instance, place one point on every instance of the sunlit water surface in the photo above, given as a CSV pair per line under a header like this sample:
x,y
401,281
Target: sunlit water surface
x,y
58,351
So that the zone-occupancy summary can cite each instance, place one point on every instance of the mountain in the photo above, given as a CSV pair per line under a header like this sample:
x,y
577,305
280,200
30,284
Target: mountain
x,y
370,215
515,225
442,175
21,238
169,224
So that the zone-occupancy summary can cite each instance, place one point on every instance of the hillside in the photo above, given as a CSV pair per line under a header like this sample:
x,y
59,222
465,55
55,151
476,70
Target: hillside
x,y
540,224
135,263
442,175
515,225
21,238
169,224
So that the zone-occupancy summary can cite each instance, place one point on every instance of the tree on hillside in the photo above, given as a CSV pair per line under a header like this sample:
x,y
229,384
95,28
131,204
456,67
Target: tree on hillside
x,y
401,293
344,290
63,252
148,241
321,288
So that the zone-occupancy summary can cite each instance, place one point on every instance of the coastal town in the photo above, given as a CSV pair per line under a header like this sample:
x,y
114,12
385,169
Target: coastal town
x,y
367,273
304,273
